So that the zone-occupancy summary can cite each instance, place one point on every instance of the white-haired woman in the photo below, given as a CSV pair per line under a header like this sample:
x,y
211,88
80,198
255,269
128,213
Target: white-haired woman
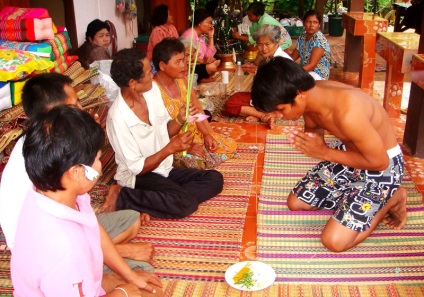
x,y
267,38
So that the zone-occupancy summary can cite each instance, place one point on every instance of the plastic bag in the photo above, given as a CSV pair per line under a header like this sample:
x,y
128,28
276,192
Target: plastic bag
x,y
104,79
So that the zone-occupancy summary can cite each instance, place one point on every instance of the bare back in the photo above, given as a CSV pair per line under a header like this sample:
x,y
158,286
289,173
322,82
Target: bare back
x,y
351,115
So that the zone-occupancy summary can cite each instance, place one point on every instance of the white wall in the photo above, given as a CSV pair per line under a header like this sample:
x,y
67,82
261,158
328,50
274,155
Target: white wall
x,y
88,10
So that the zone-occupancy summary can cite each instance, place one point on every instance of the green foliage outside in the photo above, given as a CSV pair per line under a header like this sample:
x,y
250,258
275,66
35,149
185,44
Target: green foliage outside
x,y
294,8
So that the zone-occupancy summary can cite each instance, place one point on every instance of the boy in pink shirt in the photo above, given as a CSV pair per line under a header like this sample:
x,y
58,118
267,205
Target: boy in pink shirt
x,y
57,248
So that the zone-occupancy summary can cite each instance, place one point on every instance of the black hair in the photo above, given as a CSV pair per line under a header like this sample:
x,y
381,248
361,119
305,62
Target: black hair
x,y
160,15
200,15
43,91
211,6
166,49
257,8
57,140
312,13
126,65
278,82
94,27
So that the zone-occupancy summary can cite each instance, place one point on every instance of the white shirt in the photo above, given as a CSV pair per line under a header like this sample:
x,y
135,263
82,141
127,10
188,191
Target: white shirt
x,y
15,184
134,140
280,53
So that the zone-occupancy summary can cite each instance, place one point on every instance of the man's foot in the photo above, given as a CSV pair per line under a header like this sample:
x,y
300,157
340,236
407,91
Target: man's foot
x,y
396,217
140,251
269,118
251,119
111,198
144,218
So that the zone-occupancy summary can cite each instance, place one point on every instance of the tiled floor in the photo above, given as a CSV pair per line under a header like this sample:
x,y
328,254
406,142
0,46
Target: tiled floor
x,y
256,133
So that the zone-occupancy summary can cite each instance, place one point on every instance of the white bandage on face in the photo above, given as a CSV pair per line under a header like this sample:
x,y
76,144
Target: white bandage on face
x,y
90,172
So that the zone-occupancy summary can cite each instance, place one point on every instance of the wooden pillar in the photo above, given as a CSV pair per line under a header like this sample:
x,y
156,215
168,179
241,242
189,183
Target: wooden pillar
x,y
356,5
413,138
320,8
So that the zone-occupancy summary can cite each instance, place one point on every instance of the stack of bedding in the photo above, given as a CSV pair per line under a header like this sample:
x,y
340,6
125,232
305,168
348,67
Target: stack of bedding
x,y
32,30
28,46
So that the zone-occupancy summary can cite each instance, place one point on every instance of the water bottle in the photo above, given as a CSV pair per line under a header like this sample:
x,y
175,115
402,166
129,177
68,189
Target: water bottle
x,y
239,78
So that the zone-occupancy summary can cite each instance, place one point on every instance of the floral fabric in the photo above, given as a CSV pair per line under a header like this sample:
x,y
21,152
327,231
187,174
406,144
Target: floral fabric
x,y
226,146
16,64
305,50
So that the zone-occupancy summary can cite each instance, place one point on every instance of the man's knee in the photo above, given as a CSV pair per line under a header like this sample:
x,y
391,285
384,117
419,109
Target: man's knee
x,y
135,228
333,244
186,210
216,180
293,203
338,238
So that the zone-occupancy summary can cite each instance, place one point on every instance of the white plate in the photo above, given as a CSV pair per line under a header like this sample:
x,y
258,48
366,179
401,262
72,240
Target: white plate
x,y
263,274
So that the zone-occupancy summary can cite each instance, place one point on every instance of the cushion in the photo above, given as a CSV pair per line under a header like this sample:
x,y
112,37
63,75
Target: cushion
x,y
25,24
18,13
36,47
17,64
32,34
16,91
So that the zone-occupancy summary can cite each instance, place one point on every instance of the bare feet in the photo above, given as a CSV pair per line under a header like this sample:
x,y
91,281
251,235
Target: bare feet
x,y
144,218
140,251
396,217
112,196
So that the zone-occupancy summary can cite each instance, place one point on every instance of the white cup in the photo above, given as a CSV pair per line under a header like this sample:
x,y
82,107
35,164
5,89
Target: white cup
x,y
225,76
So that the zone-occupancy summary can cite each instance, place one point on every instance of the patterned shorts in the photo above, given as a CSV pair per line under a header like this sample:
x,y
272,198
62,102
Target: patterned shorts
x,y
355,195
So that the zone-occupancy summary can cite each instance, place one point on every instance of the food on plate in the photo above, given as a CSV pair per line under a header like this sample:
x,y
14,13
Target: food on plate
x,y
244,277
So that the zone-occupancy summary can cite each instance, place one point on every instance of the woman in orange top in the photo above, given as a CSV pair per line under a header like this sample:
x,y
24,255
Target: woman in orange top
x,y
209,149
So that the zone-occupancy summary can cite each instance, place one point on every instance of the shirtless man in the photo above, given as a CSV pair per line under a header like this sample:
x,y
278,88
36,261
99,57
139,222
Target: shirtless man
x,y
360,175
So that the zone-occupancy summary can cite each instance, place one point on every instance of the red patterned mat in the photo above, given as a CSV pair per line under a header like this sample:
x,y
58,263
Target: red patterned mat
x,y
203,245
290,241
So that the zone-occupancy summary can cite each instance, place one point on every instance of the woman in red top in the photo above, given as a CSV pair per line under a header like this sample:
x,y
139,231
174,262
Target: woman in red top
x,y
163,27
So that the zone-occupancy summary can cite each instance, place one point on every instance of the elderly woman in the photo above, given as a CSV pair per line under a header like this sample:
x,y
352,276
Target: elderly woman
x,y
202,25
313,48
163,27
267,38
95,47
208,149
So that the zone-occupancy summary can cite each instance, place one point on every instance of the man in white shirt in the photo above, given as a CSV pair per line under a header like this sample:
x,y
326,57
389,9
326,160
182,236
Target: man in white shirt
x,y
139,129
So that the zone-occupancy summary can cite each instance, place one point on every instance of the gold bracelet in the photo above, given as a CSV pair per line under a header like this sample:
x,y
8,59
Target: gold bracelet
x,y
178,122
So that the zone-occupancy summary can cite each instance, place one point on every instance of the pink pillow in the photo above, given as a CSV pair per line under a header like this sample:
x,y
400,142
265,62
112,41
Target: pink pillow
x,y
18,13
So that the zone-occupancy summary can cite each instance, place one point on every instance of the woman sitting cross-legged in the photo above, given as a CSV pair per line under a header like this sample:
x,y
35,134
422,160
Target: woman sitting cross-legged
x,y
268,39
62,152
208,149
313,48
